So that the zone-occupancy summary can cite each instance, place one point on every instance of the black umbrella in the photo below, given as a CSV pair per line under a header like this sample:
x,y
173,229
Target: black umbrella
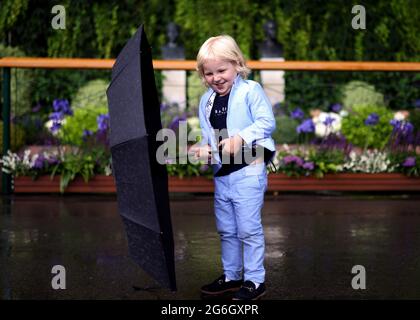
x,y
141,182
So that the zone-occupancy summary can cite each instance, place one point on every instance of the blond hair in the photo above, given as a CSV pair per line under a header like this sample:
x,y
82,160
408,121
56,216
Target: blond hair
x,y
222,47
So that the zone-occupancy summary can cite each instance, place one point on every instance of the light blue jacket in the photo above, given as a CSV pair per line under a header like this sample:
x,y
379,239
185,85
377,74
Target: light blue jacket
x,y
249,114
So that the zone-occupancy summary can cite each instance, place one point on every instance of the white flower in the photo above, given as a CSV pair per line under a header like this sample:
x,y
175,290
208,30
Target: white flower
x,y
26,158
50,123
370,161
322,128
108,170
401,115
343,113
10,162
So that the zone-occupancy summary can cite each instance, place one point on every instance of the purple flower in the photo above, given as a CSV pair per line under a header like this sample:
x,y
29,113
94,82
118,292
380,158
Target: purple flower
x,y
329,120
87,132
55,126
164,106
297,113
395,123
403,128
306,126
203,168
175,121
409,162
308,165
407,128
62,105
293,159
53,161
336,107
39,162
103,122
56,116
372,119
417,103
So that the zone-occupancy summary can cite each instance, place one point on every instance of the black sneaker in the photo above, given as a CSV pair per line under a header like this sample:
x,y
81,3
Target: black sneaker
x,y
248,291
220,286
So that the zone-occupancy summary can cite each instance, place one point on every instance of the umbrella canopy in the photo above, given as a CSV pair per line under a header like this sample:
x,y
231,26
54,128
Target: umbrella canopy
x,y
141,182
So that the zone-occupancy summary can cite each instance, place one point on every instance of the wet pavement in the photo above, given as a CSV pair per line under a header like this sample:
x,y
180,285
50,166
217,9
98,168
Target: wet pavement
x,y
312,243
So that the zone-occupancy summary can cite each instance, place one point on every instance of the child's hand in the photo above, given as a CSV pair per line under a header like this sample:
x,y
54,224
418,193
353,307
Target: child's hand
x,y
201,152
231,145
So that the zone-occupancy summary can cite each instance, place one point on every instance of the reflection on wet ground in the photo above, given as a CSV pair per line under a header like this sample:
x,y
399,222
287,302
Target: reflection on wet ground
x,y
312,244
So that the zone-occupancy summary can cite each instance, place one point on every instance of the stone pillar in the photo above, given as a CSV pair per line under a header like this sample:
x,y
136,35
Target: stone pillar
x,y
174,81
174,88
273,82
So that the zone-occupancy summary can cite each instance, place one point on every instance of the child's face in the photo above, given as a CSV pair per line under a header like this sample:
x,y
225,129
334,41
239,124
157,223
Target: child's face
x,y
219,75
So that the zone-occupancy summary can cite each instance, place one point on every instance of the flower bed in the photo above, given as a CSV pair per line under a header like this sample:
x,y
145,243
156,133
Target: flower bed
x,y
276,183
376,154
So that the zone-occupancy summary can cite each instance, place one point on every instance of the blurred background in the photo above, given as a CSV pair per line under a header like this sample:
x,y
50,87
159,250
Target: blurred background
x,y
356,111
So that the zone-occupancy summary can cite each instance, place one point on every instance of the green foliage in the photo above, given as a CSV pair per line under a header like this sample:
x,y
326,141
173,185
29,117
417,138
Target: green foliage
x,y
313,161
189,170
20,82
326,161
367,136
158,81
195,90
226,15
311,91
358,46
360,93
83,119
68,41
49,85
17,137
106,24
33,125
306,29
400,89
10,13
400,158
91,95
74,164
414,119
285,130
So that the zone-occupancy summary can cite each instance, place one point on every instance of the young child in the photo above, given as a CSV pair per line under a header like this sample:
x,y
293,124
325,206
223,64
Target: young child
x,y
236,117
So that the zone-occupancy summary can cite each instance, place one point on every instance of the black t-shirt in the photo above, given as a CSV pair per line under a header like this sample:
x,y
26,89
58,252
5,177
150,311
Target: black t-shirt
x,y
218,117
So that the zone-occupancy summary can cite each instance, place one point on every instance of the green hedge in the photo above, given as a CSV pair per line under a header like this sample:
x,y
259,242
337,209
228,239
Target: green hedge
x,y
306,29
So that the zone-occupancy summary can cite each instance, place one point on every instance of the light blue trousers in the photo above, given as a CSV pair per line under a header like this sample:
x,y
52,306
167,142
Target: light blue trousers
x,y
239,198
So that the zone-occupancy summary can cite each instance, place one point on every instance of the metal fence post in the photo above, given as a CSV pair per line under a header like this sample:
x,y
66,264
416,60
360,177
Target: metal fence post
x,y
6,178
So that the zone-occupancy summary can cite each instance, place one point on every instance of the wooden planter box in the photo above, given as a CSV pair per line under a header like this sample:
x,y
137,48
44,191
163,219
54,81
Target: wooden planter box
x,y
346,182
103,184
276,182
44,184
